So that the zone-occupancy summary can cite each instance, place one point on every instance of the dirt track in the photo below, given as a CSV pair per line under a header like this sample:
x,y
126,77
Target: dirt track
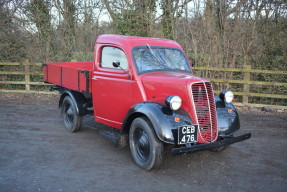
x,y
37,154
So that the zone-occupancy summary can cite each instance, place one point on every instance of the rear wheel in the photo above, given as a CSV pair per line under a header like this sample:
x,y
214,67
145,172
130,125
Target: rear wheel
x,y
72,120
146,148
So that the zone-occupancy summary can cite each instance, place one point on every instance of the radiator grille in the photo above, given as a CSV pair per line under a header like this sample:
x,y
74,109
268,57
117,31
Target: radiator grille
x,y
205,110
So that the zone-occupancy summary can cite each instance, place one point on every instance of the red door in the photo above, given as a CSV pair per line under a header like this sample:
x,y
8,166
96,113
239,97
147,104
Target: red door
x,y
112,87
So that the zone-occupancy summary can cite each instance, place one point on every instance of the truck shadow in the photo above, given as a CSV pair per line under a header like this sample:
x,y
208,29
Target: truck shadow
x,y
200,163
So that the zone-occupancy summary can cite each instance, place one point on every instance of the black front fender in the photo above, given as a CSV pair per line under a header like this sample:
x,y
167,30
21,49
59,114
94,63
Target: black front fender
x,y
228,122
161,117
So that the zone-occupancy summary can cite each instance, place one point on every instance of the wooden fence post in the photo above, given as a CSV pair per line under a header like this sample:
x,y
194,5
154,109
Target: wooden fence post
x,y
27,74
246,86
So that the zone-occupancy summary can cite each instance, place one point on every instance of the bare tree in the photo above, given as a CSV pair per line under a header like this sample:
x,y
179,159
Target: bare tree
x,y
38,11
67,25
131,17
171,11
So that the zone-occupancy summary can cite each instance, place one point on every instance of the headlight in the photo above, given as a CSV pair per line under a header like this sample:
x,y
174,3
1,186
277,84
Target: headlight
x,y
226,96
174,102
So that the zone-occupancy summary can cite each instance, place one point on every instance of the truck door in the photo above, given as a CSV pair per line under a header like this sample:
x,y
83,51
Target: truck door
x,y
112,87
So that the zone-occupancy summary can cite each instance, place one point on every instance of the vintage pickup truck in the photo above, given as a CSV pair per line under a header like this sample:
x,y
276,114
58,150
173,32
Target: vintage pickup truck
x,y
144,89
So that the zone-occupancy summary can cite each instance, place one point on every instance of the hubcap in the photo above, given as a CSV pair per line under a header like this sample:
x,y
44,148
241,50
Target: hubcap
x,y
142,144
69,114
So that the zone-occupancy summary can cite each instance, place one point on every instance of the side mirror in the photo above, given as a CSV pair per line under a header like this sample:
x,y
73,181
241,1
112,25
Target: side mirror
x,y
116,64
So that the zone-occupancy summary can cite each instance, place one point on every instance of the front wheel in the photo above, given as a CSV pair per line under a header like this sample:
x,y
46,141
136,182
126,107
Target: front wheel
x,y
72,120
146,148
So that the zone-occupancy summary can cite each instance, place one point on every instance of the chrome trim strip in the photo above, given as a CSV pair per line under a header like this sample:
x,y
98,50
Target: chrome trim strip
x,y
215,114
211,139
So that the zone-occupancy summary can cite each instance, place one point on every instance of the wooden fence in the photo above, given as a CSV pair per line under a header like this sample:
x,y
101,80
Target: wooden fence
x,y
11,69
26,72
246,81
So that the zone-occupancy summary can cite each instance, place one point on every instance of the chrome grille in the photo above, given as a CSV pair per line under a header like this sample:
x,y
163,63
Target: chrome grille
x,y
203,99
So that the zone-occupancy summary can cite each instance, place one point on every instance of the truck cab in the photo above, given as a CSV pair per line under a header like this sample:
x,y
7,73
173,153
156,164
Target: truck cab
x,y
145,89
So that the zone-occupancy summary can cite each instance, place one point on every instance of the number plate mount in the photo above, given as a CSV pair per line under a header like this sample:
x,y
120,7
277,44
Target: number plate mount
x,y
187,134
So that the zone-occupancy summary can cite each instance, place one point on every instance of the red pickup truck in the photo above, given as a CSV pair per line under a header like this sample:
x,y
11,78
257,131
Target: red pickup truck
x,y
144,89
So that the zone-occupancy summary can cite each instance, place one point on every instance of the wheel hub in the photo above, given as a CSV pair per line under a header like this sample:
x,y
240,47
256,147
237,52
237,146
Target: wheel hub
x,y
70,111
69,115
143,145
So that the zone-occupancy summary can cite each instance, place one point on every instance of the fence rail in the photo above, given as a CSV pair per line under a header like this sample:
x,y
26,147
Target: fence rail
x,y
5,69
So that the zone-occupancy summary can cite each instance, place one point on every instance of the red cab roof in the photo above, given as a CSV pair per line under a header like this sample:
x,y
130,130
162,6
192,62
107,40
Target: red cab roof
x,y
128,42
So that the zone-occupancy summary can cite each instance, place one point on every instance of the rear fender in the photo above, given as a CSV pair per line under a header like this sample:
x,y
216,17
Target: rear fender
x,y
77,98
161,117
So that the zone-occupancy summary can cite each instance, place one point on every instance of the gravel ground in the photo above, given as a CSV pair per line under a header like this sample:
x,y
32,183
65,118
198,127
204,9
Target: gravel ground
x,y
37,154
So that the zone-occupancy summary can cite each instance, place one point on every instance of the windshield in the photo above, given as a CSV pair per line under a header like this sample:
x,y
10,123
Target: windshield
x,y
150,59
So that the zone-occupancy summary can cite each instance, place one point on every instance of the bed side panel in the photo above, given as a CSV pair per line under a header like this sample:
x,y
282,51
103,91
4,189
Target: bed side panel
x,y
54,74
70,78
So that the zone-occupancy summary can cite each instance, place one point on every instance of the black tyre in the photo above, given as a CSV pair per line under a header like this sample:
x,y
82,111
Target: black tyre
x,y
72,120
146,148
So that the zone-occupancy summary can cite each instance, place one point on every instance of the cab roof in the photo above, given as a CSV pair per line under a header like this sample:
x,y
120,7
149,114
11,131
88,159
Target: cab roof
x,y
128,42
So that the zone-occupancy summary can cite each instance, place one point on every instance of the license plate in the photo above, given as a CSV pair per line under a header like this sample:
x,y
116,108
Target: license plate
x,y
187,134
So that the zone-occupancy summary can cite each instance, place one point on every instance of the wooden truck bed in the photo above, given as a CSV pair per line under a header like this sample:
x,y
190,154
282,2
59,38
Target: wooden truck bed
x,y
71,75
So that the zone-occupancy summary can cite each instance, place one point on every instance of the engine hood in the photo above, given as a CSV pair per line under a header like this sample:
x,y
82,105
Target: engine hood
x,y
159,85
171,77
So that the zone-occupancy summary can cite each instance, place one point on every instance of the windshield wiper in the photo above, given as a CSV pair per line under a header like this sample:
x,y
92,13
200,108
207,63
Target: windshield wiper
x,y
151,51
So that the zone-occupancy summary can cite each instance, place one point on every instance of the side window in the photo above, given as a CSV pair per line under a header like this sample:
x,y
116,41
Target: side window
x,y
111,54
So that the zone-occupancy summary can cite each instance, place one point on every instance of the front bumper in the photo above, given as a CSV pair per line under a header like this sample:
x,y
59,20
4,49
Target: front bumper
x,y
203,147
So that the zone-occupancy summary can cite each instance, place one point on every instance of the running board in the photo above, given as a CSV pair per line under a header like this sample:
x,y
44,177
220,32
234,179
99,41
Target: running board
x,y
120,140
